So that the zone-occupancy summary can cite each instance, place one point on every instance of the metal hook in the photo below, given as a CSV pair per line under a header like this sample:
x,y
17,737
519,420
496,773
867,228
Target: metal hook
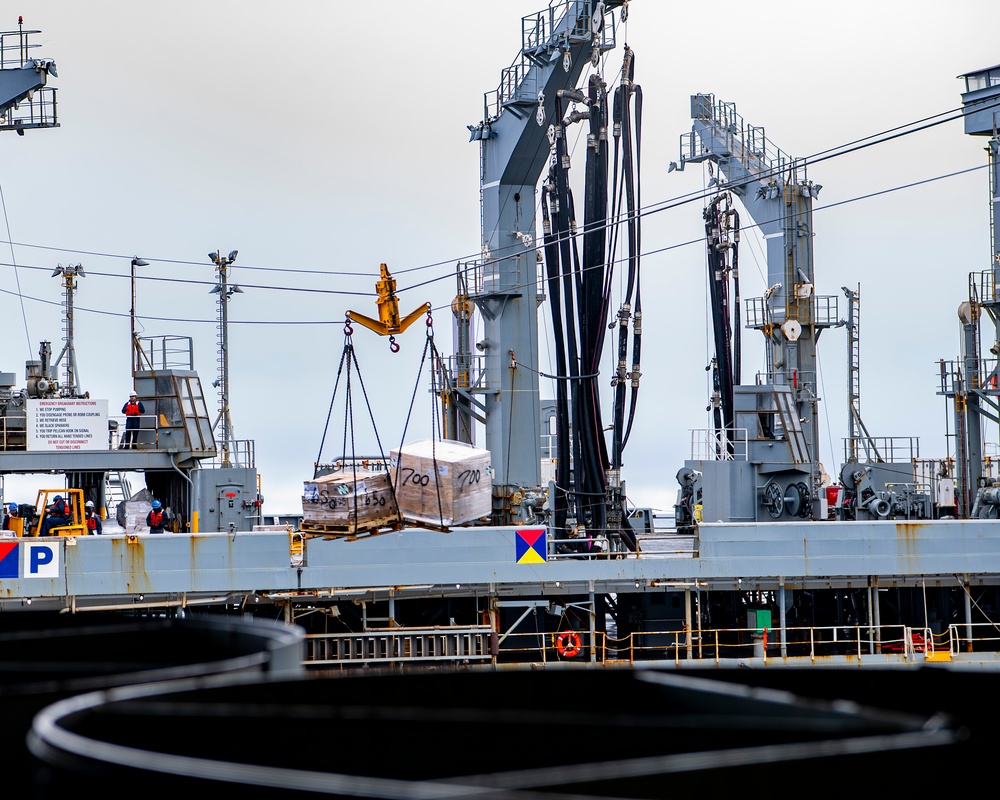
x,y
393,346
348,329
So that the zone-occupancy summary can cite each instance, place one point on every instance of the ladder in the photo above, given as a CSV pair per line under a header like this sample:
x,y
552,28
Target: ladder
x,y
117,489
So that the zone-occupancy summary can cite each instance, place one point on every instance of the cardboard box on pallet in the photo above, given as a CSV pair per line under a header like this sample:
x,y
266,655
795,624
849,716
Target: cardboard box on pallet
x,y
350,500
443,482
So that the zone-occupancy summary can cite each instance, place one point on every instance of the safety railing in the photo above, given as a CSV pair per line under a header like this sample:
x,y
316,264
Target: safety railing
x,y
242,453
975,637
466,373
825,312
16,48
146,436
968,375
983,287
806,644
712,445
890,449
166,352
41,111
13,433
787,646
540,34
745,142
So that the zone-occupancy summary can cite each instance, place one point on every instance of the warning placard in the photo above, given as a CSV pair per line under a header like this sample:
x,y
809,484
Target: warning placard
x,y
67,424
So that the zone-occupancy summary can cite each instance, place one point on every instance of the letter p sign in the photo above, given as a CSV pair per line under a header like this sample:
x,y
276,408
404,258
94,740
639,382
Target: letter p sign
x,y
41,561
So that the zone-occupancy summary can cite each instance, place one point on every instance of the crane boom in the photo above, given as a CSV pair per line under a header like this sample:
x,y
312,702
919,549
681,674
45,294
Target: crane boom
x,y
557,43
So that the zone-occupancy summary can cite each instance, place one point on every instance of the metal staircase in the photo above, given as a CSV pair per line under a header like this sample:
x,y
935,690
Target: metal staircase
x,y
117,489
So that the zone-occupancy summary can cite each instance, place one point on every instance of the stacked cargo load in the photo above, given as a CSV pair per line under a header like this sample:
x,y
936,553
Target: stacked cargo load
x,y
443,482
349,501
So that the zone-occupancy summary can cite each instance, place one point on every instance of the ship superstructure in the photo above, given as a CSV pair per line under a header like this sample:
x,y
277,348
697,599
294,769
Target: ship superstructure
x,y
762,563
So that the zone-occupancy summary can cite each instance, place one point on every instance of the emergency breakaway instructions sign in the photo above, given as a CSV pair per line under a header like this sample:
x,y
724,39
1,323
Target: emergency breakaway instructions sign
x,y
65,424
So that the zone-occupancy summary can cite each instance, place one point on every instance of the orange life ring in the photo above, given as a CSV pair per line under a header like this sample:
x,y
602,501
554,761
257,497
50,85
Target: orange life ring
x,y
568,644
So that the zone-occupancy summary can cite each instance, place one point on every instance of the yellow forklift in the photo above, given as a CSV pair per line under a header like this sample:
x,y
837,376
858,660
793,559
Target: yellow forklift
x,y
32,525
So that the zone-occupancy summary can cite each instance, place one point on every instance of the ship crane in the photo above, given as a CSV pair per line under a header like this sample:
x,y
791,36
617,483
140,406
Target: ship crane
x,y
779,411
971,383
26,100
557,43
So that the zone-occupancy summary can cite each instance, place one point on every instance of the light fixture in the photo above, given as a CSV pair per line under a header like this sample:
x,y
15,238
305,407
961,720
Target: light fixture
x,y
214,257
27,601
139,262
637,584
57,271
215,383
233,254
215,289
236,289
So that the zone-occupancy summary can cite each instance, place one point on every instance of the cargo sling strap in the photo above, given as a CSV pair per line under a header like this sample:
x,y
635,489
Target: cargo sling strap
x,y
437,364
349,359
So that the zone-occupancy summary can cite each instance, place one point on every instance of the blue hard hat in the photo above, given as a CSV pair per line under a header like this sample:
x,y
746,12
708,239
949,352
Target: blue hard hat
x,y
156,504
13,508
57,497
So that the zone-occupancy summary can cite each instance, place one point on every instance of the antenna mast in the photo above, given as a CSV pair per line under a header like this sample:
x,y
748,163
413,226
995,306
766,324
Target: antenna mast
x,y
69,273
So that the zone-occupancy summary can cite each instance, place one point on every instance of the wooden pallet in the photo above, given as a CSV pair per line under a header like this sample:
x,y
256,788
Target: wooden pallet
x,y
368,527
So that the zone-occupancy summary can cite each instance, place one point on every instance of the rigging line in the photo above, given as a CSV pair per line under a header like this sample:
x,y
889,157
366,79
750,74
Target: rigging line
x,y
677,202
691,197
378,439
822,155
104,313
816,209
898,188
826,406
980,609
409,412
886,137
17,274
435,424
184,262
195,282
653,208
333,397
893,130
510,430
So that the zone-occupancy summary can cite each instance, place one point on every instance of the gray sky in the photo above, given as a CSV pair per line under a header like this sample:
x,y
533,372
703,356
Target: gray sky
x,y
321,139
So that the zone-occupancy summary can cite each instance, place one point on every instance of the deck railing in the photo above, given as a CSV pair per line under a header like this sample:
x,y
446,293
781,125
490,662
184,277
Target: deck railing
x,y
792,646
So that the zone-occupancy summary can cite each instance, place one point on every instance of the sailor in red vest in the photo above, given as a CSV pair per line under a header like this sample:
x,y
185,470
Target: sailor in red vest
x,y
58,515
157,518
93,518
132,410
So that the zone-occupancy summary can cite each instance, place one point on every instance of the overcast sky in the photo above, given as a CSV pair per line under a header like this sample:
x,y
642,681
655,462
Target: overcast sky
x,y
321,139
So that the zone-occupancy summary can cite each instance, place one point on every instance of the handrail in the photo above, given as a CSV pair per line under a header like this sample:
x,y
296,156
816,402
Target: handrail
x,y
786,646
